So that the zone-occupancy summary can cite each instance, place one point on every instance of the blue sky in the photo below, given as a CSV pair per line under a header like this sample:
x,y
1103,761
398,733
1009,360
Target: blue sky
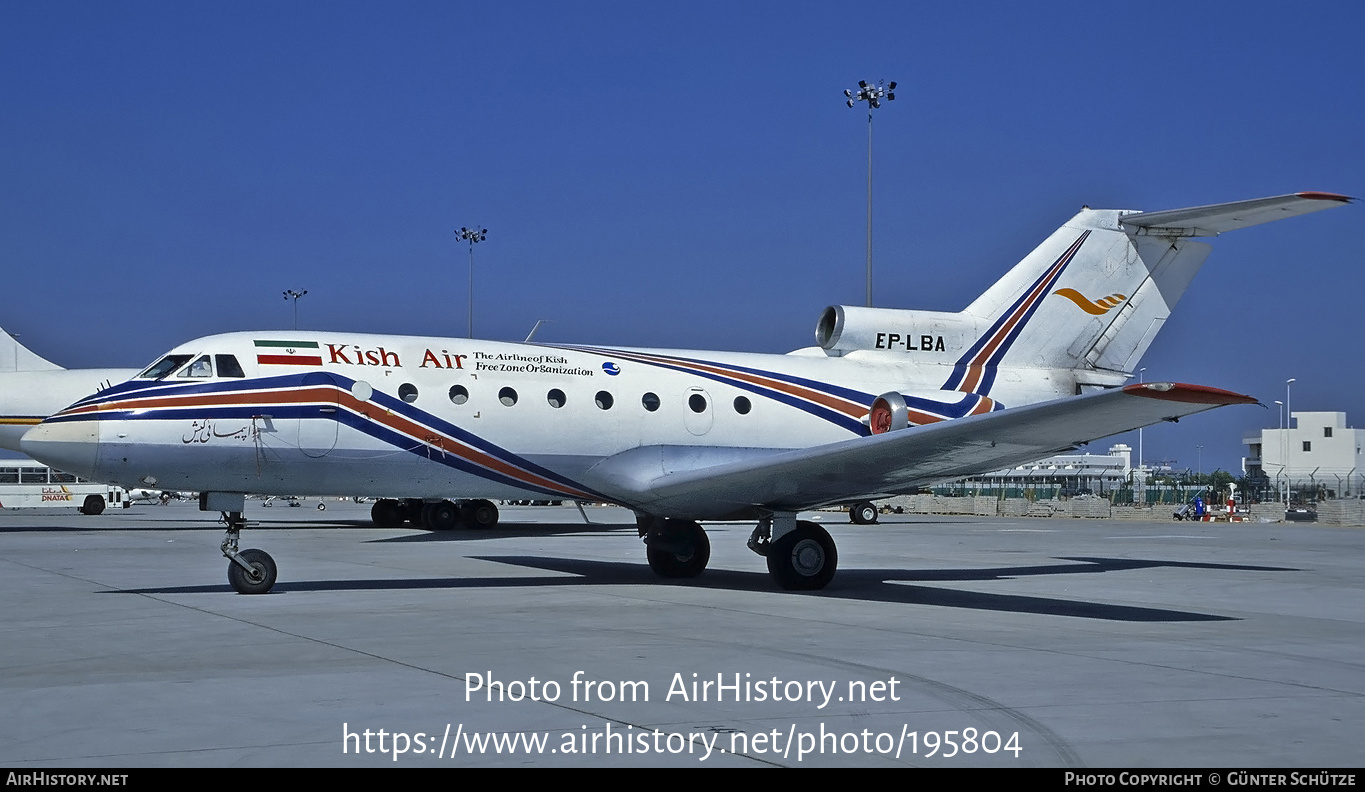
x,y
670,176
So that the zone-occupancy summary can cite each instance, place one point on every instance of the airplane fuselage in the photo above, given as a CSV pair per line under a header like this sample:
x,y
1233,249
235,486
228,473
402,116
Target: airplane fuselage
x,y
465,418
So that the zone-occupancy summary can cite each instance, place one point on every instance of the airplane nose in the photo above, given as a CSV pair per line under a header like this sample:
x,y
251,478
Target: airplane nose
x,y
69,446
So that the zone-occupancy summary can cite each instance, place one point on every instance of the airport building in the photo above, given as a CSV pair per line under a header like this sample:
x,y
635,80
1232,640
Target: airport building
x,y
1318,453
1064,474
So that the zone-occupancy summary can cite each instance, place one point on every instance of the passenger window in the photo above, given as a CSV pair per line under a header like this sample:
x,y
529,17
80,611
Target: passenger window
x,y
459,394
742,405
650,401
555,397
199,369
697,403
407,392
507,396
228,366
604,400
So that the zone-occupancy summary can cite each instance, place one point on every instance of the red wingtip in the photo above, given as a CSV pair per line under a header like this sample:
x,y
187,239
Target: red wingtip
x,y
1325,196
1193,394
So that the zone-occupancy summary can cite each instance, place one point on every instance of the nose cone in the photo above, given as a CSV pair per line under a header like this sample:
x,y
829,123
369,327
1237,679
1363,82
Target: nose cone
x,y
68,446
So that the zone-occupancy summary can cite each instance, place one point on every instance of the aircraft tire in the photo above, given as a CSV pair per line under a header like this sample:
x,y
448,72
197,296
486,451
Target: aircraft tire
x,y
442,516
804,559
686,553
482,514
863,513
94,504
261,582
387,513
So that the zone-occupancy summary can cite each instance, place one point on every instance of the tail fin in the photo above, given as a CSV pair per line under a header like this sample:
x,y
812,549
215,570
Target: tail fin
x,y
1094,294
14,356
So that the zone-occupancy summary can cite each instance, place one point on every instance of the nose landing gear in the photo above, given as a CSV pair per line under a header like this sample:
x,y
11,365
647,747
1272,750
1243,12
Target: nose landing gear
x,y
250,571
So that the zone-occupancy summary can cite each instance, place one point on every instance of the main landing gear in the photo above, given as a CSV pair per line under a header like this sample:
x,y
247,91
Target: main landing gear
x,y
675,548
801,555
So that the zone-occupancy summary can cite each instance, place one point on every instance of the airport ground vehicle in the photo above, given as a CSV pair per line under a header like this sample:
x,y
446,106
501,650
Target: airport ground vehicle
x,y
26,484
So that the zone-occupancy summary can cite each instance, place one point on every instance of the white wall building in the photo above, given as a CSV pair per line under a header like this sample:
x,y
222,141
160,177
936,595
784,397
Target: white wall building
x,y
1320,451
1094,472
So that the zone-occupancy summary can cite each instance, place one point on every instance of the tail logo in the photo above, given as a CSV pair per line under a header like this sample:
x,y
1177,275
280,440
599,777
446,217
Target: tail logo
x,y
1096,308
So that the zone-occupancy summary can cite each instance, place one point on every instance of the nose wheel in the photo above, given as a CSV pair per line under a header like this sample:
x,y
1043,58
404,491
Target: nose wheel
x,y
250,571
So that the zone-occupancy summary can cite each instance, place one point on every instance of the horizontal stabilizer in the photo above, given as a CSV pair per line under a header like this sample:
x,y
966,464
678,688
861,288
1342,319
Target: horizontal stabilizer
x,y
1209,221
711,483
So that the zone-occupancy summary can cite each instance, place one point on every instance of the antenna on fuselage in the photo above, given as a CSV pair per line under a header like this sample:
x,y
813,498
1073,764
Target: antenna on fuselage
x,y
532,334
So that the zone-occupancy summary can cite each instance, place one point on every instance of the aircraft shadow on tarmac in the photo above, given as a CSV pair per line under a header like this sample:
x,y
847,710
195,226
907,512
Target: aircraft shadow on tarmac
x,y
868,585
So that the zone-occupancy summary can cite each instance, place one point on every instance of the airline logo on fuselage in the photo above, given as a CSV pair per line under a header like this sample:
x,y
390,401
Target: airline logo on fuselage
x,y
311,353
1096,308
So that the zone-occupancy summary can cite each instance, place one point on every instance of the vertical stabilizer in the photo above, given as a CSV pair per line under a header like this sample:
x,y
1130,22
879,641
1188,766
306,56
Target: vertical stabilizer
x,y
14,356
1092,297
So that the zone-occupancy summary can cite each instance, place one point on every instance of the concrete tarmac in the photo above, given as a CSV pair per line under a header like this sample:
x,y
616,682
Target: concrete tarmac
x,y
943,641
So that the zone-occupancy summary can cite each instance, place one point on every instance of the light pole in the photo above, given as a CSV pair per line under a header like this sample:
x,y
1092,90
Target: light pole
x,y
872,94
1289,444
472,235
1140,373
288,293
1283,448
1199,465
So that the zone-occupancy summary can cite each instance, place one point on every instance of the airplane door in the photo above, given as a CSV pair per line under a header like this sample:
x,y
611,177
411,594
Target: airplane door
x,y
697,412
318,423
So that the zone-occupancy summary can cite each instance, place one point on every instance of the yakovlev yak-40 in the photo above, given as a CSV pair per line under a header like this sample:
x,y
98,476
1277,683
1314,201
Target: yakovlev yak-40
x,y
888,401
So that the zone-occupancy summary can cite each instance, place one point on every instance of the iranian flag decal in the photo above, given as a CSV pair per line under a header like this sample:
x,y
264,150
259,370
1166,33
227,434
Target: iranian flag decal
x,y
288,353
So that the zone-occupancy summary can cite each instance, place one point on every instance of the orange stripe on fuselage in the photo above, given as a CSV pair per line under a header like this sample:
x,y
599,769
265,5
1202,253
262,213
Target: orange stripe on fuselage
x,y
327,394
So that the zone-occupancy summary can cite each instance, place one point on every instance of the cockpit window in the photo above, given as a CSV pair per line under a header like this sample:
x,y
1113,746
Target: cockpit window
x,y
228,366
199,369
164,366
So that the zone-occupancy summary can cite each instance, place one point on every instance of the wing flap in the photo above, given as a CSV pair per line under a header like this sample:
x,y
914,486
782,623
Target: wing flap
x,y
705,483
1212,220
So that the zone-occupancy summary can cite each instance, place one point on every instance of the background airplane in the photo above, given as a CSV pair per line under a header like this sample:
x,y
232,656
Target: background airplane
x,y
889,400
32,388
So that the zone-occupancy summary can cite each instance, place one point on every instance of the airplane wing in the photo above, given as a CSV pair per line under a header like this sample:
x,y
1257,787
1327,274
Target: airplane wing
x,y
712,483
1210,221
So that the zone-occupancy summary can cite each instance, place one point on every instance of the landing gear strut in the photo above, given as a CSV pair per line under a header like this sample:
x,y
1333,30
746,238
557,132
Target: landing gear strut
x,y
249,571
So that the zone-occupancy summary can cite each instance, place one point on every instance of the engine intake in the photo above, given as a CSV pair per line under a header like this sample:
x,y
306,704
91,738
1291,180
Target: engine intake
x,y
847,328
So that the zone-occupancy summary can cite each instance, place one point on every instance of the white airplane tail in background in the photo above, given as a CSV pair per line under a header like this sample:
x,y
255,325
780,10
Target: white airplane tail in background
x,y
1089,299
14,356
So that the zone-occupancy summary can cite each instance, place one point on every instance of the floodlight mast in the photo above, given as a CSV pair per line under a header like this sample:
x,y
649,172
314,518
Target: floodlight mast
x,y
472,235
290,293
873,95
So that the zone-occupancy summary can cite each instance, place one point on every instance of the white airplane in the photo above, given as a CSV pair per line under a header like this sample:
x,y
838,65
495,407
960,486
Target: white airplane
x,y
32,388
889,400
